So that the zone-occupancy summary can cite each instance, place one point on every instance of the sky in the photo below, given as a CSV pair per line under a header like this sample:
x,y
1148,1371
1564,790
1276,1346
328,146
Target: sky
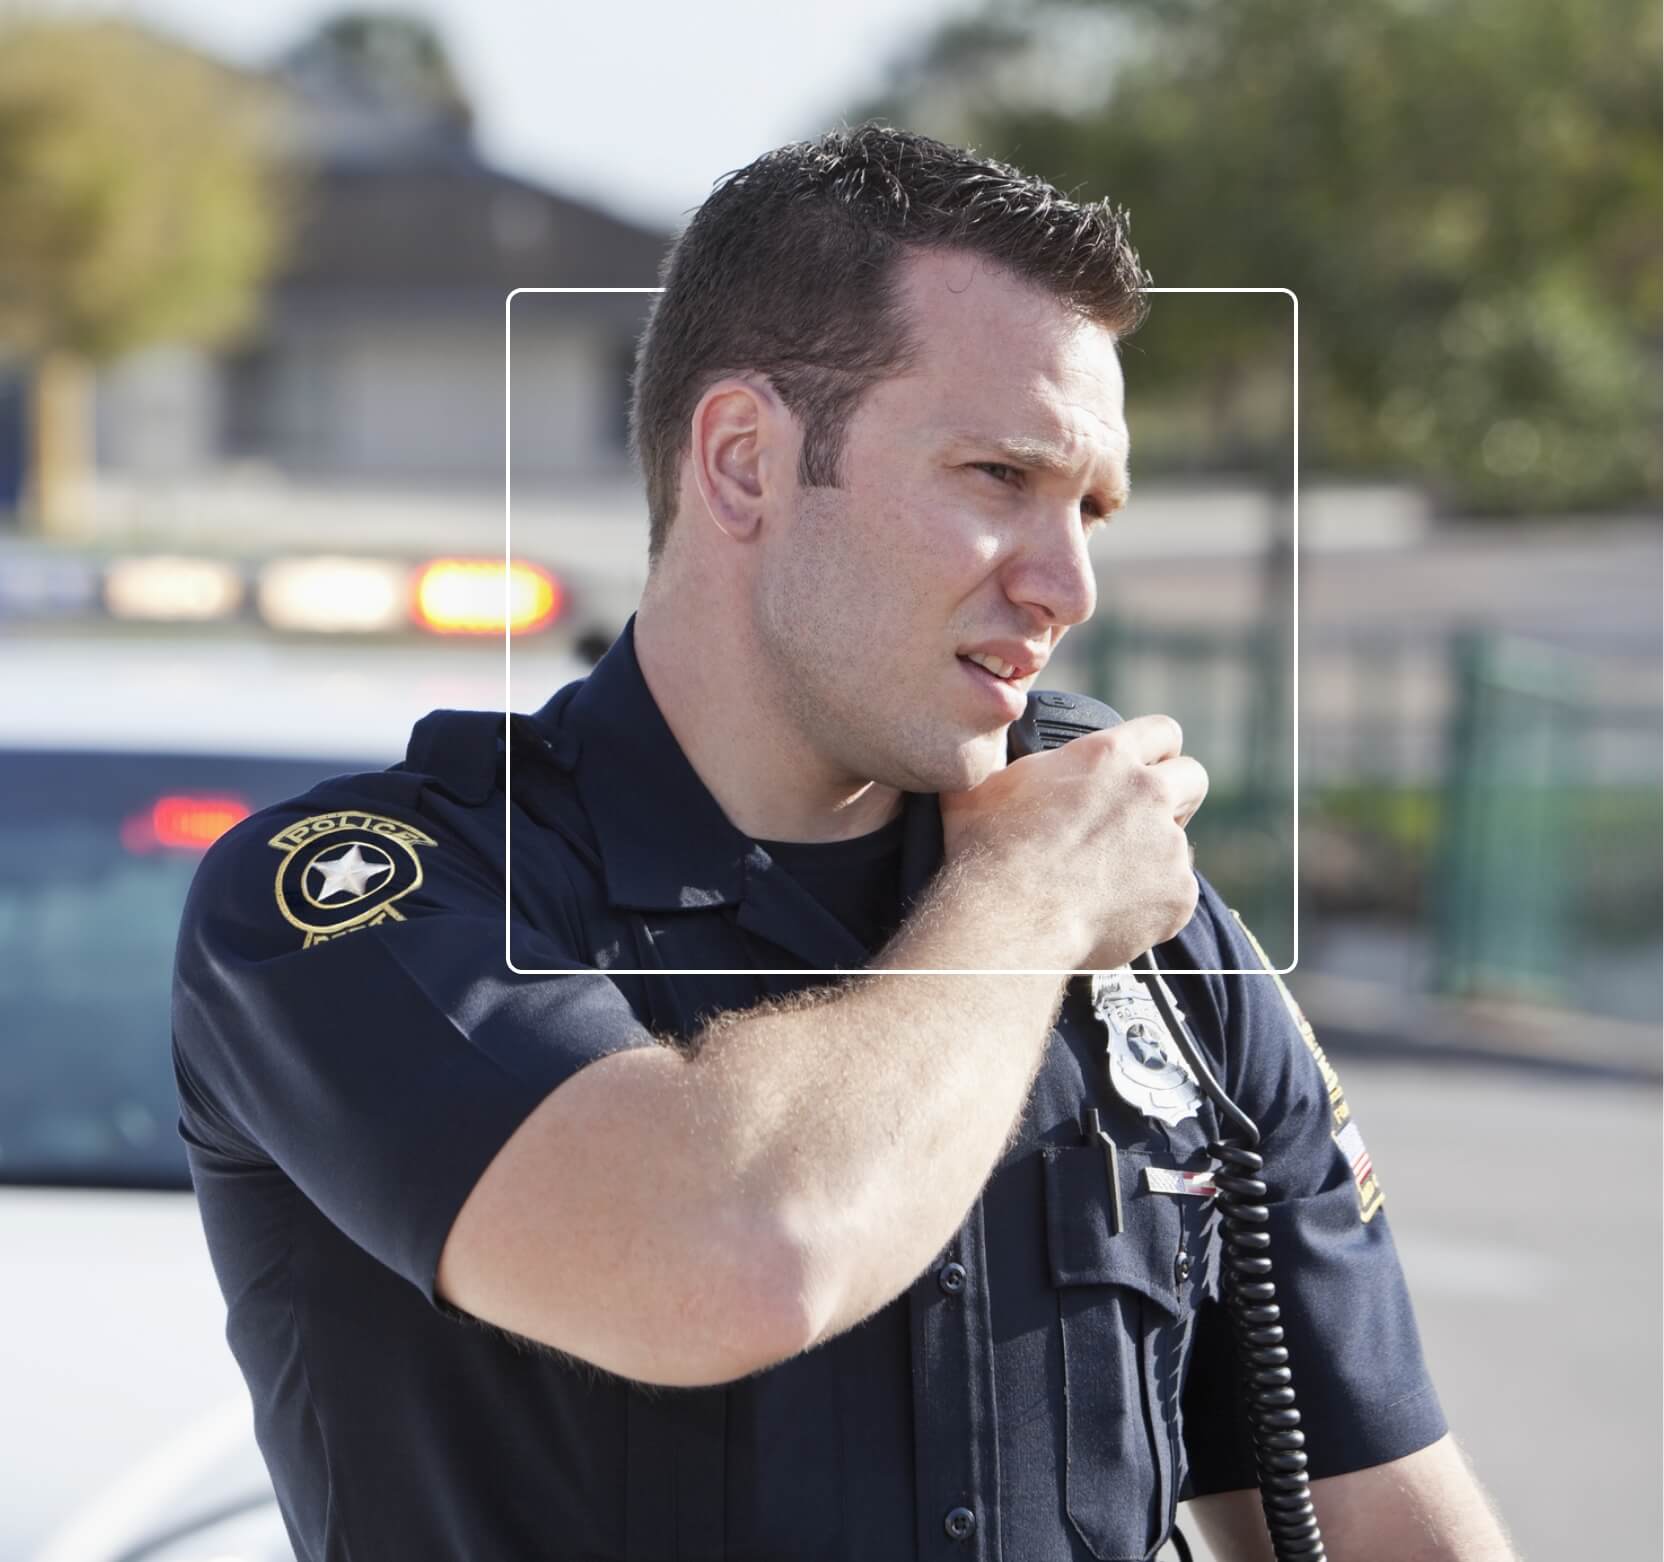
x,y
636,107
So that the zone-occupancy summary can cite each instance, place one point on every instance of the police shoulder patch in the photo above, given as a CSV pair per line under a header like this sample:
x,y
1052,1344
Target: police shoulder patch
x,y
343,871
1343,1130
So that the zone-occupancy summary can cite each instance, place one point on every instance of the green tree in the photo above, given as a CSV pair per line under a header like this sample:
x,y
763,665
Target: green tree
x,y
391,62
1463,193
136,205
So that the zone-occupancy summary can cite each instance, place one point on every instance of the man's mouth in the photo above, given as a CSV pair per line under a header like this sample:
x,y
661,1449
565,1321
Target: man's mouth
x,y
1005,694
992,664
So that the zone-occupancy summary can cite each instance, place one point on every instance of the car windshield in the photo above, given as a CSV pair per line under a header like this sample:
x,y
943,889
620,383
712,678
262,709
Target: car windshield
x,y
96,853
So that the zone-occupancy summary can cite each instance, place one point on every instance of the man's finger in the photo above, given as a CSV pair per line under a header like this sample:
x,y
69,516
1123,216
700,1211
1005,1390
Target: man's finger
x,y
1154,737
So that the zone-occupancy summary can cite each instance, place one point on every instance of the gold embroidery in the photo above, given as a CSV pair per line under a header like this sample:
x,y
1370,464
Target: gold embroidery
x,y
1363,1169
342,871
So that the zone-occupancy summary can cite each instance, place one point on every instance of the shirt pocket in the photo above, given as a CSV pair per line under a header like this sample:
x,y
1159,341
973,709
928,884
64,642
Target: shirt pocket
x,y
1126,1305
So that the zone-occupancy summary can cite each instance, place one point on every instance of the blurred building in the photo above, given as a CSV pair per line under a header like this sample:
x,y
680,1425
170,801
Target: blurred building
x,y
378,366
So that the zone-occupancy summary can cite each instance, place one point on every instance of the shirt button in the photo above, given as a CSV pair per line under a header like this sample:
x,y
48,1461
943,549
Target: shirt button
x,y
951,1278
960,1524
1181,1267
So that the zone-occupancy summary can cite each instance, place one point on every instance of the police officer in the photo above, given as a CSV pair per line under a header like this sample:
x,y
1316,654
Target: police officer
x,y
583,1180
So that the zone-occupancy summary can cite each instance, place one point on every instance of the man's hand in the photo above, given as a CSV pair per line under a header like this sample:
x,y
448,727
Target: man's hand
x,y
1089,839
1425,1507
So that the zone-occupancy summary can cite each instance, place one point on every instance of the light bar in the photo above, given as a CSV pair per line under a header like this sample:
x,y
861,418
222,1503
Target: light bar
x,y
43,586
166,588
467,596
326,595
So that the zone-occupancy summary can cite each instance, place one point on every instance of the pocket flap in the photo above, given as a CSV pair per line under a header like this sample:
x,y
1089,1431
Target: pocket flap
x,y
1084,1247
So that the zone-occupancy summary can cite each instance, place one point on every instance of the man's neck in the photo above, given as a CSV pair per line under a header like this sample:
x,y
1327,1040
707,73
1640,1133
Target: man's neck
x,y
707,689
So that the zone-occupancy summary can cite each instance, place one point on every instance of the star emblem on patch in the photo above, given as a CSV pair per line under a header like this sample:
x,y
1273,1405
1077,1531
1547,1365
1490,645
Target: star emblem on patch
x,y
346,870
350,873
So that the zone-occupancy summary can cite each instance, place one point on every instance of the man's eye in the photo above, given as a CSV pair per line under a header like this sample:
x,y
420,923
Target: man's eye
x,y
1095,517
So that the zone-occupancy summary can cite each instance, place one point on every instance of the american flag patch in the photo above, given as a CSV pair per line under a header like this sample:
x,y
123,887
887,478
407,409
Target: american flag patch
x,y
1351,1144
1198,1184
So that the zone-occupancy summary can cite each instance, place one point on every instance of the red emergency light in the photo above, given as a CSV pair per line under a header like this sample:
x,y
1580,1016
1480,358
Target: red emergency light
x,y
178,821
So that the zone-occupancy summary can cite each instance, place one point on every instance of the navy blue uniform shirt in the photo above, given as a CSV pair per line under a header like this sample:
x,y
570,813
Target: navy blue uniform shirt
x,y
352,1050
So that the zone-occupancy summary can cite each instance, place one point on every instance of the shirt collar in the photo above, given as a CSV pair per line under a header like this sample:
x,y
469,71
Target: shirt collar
x,y
665,843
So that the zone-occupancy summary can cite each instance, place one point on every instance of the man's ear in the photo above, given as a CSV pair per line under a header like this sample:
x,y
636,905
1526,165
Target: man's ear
x,y
735,446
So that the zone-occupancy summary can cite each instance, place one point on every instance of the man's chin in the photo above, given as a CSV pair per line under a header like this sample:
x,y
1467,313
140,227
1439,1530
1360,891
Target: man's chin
x,y
976,760
953,762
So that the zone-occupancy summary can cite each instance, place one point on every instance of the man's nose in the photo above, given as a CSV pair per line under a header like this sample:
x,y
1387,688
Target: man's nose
x,y
1052,572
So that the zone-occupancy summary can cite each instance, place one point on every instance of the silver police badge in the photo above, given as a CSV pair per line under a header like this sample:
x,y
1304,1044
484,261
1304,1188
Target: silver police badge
x,y
1145,1066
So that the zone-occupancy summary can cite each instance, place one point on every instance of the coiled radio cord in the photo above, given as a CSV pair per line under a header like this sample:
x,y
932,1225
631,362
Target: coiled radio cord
x,y
1050,719
1251,1303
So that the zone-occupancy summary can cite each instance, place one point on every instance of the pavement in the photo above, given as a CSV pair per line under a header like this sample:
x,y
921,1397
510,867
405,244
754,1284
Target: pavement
x,y
1525,1203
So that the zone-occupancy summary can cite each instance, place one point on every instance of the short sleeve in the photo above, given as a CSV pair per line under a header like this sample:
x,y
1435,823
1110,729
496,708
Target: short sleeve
x,y
1362,1386
343,1010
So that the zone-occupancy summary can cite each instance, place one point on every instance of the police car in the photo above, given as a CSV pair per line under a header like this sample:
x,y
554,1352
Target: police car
x,y
128,1431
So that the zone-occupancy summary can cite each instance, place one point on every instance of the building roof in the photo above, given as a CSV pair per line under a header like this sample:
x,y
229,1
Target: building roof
x,y
440,221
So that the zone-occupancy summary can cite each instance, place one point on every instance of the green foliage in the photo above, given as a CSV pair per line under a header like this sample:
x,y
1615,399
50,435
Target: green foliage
x,y
1463,193
1404,818
1607,842
135,202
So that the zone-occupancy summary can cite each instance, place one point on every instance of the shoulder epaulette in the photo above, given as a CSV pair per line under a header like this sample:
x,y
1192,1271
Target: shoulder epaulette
x,y
460,750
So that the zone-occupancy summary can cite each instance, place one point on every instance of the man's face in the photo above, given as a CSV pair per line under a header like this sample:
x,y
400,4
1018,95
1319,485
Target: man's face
x,y
943,540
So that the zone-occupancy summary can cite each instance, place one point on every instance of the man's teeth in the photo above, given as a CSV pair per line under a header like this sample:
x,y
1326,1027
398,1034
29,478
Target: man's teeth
x,y
994,665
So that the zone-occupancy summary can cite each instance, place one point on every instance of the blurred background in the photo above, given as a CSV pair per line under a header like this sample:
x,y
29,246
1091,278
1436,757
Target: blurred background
x,y
253,272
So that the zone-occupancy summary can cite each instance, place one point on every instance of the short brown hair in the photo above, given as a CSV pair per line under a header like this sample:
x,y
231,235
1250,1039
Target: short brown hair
x,y
789,269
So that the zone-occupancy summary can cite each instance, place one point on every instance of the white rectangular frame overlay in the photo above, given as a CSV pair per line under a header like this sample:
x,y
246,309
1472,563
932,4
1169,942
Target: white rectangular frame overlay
x,y
508,729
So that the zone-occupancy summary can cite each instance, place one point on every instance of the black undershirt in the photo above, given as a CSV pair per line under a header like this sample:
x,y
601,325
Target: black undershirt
x,y
858,881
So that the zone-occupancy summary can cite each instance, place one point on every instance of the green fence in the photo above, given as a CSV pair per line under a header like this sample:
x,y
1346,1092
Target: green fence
x,y
1230,691
1494,798
1548,857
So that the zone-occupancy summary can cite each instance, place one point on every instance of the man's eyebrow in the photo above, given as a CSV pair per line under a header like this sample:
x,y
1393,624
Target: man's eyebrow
x,y
1039,454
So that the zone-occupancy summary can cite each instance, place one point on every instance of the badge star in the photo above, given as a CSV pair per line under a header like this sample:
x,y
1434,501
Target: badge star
x,y
348,873
1145,1047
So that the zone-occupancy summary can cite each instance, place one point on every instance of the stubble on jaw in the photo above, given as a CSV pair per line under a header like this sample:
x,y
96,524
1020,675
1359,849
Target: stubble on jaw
x,y
800,628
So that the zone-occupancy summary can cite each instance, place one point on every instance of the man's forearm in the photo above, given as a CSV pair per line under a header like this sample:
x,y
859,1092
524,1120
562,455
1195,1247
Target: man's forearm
x,y
1425,1507
869,1114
